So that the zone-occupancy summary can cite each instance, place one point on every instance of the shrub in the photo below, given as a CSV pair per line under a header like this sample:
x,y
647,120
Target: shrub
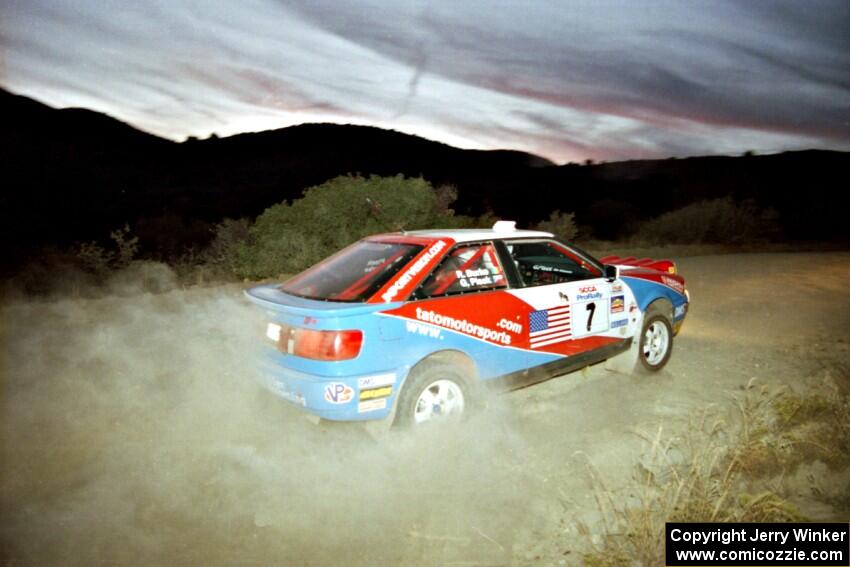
x,y
485,220
96,259
126,246
445,196
223,252
289,237
561,225
55,272
718,221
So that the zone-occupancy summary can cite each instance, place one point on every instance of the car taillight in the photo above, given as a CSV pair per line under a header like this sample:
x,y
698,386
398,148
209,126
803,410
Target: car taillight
x,y
327,345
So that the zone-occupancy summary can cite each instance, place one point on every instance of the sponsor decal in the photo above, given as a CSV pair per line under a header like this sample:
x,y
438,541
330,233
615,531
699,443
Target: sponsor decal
x,y
511,326
564,296
616,288
588,296
680,311
476,278
549,326
618,304
463,326
310,321
371,405
375,381
414,270
338,393
619,323
673,283
633,307
587,289
546,268
375,393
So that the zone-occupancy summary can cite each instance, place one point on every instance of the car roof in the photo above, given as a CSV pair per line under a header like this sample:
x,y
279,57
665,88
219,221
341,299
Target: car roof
x,y
474,234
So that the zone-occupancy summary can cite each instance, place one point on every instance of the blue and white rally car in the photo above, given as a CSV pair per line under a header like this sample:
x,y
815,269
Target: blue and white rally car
x,y
411,326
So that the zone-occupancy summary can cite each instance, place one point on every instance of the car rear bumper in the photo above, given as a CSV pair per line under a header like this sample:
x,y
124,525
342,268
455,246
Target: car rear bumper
x,y
349,398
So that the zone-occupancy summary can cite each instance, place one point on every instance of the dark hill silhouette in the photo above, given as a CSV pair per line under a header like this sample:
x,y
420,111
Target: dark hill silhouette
x,y
73,175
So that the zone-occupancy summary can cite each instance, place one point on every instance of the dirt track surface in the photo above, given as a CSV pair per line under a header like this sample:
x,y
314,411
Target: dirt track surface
x,y
132,433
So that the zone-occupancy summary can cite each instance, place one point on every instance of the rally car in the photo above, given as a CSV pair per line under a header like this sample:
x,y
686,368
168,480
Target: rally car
x,y
414,327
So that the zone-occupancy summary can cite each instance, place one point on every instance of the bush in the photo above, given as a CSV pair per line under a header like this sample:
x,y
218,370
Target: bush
x,y
287,238
561,225
718,221
96,259
221,256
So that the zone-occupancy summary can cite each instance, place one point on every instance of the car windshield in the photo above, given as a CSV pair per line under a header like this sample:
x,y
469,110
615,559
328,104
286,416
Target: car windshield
x,y
355,273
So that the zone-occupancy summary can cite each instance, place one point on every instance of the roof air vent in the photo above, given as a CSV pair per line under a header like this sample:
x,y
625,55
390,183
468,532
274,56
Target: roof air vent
x,y
504,226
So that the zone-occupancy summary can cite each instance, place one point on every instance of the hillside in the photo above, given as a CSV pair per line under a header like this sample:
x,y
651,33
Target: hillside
x,y
73,174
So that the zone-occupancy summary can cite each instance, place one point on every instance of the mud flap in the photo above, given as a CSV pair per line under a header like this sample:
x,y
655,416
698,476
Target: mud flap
x,y
627,362
377,429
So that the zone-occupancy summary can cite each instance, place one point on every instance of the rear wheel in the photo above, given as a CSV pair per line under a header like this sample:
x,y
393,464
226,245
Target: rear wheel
x,y
435,392
656,342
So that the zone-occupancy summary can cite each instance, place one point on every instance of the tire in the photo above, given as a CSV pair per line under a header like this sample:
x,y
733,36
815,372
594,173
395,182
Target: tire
x,y
435,391
656,342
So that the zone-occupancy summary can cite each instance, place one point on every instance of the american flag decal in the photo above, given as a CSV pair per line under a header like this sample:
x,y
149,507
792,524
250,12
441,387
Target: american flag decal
x,y
549,326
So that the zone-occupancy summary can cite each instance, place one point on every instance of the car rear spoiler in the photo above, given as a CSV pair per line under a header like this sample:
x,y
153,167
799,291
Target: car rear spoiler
x,y
668,266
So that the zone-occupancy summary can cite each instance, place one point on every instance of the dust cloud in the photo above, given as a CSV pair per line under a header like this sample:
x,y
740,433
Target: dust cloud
x,y
134,432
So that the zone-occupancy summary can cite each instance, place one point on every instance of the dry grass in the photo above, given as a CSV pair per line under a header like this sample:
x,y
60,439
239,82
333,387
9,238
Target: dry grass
x,y
728,469
786,428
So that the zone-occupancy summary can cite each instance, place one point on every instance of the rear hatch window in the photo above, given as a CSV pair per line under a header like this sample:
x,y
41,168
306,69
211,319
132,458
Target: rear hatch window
x,y
355,273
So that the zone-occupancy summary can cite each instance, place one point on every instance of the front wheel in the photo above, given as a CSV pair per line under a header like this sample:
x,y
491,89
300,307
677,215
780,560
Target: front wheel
x,y
435,392
656,343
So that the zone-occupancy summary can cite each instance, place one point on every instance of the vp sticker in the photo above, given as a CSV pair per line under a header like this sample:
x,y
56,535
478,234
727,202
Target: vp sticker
x,y
338,393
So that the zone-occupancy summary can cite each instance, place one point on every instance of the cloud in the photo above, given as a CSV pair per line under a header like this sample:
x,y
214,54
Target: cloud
x,y
663,70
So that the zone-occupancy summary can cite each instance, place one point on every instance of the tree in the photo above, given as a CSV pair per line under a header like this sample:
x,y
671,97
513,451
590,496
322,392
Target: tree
x,y
560,224
289,237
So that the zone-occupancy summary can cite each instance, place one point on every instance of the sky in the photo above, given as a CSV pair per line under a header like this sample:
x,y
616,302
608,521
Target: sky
x,y
568,80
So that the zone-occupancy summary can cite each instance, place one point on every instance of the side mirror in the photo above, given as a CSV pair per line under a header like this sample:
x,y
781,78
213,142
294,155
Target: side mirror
x,y
611,272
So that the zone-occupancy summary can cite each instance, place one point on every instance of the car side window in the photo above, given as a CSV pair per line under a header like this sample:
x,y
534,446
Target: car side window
x,y
467,268
544,262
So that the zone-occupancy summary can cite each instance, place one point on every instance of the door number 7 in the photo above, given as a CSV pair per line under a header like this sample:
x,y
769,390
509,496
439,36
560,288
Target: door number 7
x,y
592,308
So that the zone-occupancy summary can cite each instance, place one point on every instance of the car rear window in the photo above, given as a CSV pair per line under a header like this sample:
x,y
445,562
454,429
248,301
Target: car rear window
x,y
355,273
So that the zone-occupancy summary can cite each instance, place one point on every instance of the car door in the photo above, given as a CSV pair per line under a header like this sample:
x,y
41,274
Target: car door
x,y
569,300
464,305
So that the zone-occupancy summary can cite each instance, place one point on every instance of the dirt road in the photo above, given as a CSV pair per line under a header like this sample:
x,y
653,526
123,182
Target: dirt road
x,y
132,433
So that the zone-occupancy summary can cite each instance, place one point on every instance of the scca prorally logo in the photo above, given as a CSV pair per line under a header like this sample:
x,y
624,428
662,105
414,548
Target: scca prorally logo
x,y
413,270
588,292
338,393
